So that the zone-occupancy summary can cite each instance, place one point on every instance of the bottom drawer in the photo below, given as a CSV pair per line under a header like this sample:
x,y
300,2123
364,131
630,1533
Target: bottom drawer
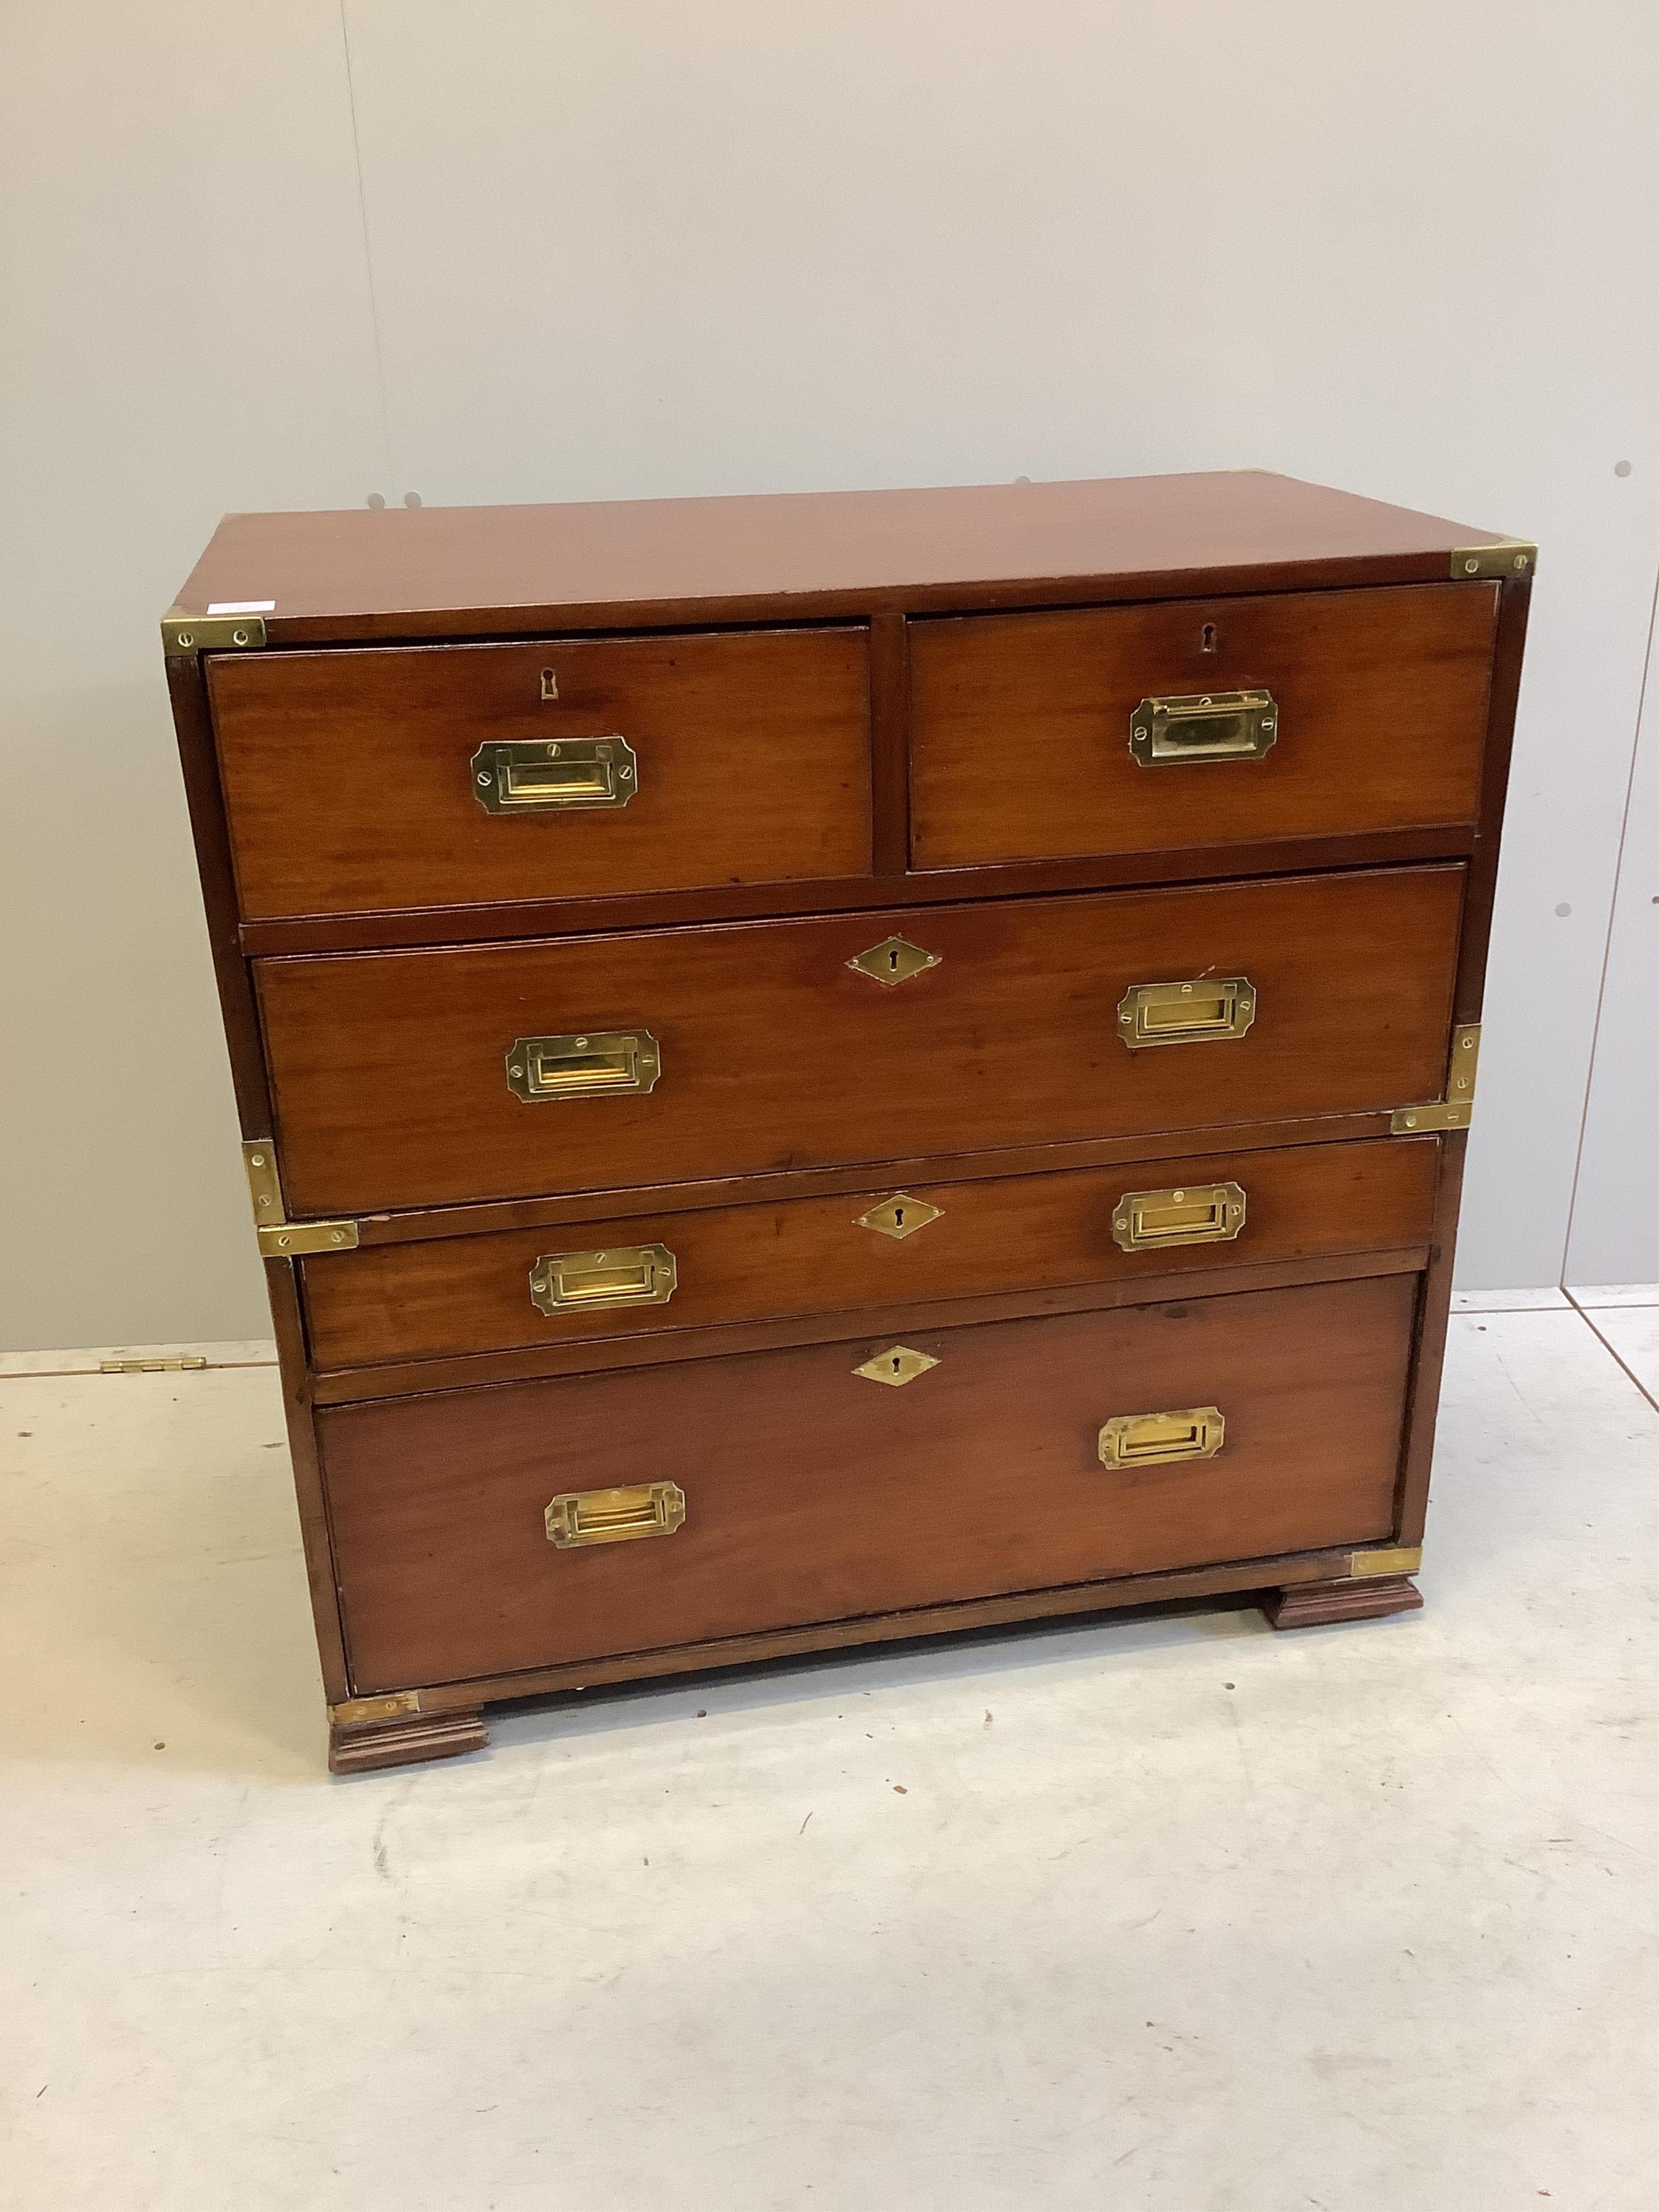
x,y
812,1492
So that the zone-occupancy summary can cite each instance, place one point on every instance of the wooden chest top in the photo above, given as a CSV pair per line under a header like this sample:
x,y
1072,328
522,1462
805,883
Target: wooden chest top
x,y
473,572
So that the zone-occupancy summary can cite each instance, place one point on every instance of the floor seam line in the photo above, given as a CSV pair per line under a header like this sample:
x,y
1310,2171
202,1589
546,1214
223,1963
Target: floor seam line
x,y
1611,1349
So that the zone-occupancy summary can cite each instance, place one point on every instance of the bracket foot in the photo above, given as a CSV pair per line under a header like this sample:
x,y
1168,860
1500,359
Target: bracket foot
x,y
1357,1597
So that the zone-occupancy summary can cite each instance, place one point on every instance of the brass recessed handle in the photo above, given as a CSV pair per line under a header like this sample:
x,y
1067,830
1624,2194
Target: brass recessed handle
x,y
1208,1008
1208,725
595,1065
633,1275
615,1516
1196,1213
1155,1439
557,775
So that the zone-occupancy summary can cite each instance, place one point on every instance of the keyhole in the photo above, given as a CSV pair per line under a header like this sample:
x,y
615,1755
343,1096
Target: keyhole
x,y
1206,641
892,961
898,1217
896,1364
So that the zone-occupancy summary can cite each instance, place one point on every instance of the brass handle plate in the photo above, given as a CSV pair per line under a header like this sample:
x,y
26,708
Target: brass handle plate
x,y
1207,1213
635,1275
593,1066
562,775
1210,726
615,1516
1209,1008
1155,1439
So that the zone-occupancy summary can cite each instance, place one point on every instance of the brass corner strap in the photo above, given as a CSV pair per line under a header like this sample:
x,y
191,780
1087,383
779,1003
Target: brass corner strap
x,y
1399,1560
1509,558
183,637
279,1237
1456,1109
364,1712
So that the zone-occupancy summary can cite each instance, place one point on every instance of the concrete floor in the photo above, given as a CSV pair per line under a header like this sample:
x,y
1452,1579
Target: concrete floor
x,y
1163,1912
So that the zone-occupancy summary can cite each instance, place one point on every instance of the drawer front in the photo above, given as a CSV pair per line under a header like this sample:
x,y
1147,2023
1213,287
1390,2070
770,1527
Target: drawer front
x,y
1022,723
357,780
606,1277
769,1051
811,1493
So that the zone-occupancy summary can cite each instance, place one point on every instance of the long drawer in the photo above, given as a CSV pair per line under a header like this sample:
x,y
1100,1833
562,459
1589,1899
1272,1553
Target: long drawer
x,y
410,1078
447,775
1198,723
666,1275
478,1533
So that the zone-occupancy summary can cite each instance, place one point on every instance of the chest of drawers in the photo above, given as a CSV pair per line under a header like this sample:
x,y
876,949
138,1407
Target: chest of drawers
x,y
816,1070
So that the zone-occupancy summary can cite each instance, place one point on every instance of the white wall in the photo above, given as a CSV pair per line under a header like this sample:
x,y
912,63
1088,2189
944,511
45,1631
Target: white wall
x,y
260,257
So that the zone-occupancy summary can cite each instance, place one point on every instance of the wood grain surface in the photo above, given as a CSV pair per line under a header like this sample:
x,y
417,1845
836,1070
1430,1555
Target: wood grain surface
x,y
389,1078
1020,723
751,1263
480,571
813,1494
349,783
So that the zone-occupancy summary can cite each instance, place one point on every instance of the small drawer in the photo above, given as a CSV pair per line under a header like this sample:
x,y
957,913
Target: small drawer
x,y
663,1274
1197,723
400,1078
672,1505
397,776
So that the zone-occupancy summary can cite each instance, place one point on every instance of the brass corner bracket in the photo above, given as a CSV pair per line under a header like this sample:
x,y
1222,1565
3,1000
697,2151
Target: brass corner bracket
x,y
1404,1559
183,637
1511,558
279,1237
1456,1109
362,1712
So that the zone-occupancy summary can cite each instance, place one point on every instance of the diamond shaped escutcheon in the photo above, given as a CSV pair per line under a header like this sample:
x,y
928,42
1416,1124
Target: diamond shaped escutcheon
x,y
894,960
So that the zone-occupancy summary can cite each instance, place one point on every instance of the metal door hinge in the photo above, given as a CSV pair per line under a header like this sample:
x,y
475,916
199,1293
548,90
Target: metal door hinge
x,y
183,637
1455,1110
279,1237
1509,556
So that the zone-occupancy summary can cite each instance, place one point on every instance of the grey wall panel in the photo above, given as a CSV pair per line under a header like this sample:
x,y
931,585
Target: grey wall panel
x,y
187,330
658,250
621,252
1615,1217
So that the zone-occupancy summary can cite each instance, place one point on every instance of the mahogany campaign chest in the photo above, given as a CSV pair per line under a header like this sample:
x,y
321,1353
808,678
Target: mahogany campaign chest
x,y
823,1069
